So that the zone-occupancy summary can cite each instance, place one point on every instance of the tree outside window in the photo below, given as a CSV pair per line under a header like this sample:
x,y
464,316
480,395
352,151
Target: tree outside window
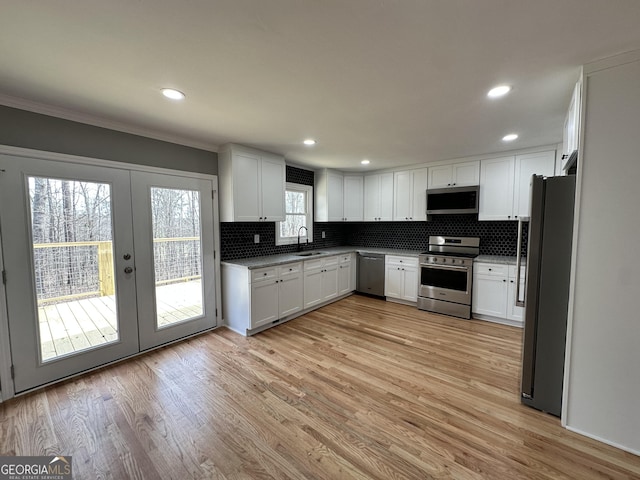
x,y
298,213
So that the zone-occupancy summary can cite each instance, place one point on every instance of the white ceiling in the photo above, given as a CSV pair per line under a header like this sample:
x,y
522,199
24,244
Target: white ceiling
x,y
396,81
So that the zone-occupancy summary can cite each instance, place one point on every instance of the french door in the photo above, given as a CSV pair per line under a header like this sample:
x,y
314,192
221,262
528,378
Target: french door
x,y
101,263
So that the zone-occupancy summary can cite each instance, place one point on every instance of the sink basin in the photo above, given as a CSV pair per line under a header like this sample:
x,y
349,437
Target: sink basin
x,y
308,254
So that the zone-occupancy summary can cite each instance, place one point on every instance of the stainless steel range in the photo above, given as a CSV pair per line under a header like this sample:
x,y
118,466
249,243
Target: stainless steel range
x,y
446,275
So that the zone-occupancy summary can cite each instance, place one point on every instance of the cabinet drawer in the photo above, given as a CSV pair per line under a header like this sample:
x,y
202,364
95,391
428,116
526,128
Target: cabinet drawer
x,y
345,258
490,269
290,269
405,261
330,261
262,274
314,264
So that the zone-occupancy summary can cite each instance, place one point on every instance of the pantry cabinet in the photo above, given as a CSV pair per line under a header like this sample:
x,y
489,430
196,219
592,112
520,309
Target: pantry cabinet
x,y
454,175
252,185
410,195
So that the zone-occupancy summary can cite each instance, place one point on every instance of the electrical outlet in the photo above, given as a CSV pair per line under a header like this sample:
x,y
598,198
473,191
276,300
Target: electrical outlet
x,y
324,235
256,238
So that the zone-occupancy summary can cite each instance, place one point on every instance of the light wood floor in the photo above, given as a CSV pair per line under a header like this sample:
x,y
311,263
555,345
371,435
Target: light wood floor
x,y
358,389
67,327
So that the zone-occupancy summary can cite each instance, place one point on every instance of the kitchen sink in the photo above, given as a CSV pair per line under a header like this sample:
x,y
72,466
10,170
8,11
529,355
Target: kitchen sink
x,y
308,254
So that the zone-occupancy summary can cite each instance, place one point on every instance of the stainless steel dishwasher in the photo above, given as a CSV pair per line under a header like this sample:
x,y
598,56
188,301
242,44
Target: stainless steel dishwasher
x,y
370,274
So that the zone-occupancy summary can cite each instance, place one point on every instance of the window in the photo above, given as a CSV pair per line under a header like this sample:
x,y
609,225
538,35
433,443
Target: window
x,y
298,206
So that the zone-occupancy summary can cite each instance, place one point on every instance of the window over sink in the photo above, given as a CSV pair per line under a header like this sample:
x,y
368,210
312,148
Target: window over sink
x,y
298,213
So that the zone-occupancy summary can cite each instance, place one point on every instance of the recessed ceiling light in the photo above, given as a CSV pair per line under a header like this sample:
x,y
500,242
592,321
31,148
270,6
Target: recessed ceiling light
x,y
510,138
309,141
173,94
365,162
499,91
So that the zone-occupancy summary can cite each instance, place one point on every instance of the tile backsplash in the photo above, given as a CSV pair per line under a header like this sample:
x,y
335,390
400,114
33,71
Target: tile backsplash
x,y
496,238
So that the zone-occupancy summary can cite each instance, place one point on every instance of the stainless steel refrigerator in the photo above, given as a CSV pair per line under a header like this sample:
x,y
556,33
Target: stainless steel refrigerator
x,y
546,298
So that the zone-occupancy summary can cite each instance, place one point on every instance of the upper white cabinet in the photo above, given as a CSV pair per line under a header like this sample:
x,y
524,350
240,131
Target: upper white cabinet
x,y
252,185
504,184
410,195
454,175
542,163
496,188
378,197
338,197
571,133
353,198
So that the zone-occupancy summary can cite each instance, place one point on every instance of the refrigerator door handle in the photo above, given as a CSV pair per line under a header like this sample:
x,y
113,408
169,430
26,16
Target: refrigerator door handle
x,y
518,302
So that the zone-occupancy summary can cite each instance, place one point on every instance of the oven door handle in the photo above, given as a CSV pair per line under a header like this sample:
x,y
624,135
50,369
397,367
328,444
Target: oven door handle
x,y
443,267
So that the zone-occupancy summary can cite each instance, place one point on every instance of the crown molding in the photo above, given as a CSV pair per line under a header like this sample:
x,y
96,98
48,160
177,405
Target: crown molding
x,y
96,121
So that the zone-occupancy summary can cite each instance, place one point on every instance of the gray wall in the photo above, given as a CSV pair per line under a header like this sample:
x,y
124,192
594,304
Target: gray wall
x,y
20,128
602,384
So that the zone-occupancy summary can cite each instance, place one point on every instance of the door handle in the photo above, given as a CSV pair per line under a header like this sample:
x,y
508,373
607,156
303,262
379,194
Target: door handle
x,y
128,270
518,302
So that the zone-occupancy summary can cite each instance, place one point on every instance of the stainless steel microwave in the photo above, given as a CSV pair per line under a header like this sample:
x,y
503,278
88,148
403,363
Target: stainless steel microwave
x,y
454,200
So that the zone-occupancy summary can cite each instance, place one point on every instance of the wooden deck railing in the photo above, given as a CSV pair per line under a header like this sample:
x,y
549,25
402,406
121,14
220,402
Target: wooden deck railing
x,y
106,283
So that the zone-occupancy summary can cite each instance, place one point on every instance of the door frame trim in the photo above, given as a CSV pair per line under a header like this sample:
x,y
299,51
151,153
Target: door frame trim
x,y
8,390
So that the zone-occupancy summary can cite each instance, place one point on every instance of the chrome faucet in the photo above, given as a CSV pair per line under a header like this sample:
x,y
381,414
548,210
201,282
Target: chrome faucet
x,y
300,246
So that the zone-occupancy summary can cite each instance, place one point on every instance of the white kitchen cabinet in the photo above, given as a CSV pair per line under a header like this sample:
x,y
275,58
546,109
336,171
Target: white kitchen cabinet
x,y
410,195
504,184
401,278
320,280
353,198
290,291
264,302
571,131
276,292
338,197
494,291
496,188
541,163
345,276
255,298
515,312
490,290
454,175
252,185
378,197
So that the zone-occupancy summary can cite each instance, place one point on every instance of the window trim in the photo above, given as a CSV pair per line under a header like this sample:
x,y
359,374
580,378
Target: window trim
x,y
308,190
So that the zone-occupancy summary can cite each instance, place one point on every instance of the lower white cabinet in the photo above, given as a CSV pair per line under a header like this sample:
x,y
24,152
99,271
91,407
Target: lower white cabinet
x,y
494,292
320,280
255,298
401,278
276,292
346,267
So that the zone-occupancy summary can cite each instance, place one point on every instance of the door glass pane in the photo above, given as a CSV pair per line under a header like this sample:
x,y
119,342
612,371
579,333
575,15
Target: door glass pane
x,y
71,228
177,255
